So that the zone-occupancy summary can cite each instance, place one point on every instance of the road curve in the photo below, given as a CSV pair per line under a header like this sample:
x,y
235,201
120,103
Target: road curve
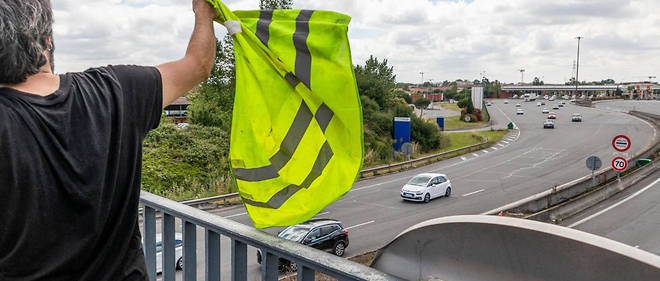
x,y
631,217
526,162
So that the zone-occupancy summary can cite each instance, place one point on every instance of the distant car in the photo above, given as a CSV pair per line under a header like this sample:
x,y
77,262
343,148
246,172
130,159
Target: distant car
x,y
548,124
520,111
545,111
552,115
538,104
322,234
178,252
506,102
424,187
560,105
517,105
555,107
489,104
542,102
563,102
577,117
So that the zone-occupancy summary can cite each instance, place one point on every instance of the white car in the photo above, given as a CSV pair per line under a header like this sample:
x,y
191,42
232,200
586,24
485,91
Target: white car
x,y
517,105
424,187
545,111
520,111
538,104
506,102
178,252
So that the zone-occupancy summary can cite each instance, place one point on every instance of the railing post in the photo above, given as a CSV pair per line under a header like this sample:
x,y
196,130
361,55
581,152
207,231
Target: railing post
x,y
212,256
238,260
305,273
269,266
189,251
149,221
169,256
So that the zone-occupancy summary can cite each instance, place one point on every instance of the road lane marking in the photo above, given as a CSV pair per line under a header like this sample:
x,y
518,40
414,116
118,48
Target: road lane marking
x,y
320,214
236,215
463,158
485,151
361,224
376,184
475,155
505,142
501,145
494,148
615,205
474,192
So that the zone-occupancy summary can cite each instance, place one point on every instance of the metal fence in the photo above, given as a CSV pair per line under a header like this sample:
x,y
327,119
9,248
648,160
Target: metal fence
x,y
308,260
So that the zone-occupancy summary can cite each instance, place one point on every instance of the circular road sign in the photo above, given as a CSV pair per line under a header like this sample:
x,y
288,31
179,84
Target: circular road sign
x,y
621,143
594,163
619,164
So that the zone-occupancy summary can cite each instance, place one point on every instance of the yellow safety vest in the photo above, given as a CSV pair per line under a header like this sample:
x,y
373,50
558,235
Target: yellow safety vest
x,y
297,133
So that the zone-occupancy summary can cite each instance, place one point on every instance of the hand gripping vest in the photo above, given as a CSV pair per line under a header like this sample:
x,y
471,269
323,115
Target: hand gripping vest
x,y
297,133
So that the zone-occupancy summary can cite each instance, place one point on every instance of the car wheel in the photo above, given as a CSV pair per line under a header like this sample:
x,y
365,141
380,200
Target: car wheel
x,y
448,191
340,248
427,198
179,263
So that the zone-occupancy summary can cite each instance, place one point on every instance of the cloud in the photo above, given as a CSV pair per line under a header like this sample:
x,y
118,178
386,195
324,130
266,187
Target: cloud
x,y
445,39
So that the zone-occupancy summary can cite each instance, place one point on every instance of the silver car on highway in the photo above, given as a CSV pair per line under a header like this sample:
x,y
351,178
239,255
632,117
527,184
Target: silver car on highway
x,y
424,187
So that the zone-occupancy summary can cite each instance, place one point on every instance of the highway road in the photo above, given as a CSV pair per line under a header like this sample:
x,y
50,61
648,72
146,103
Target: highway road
x,y
631,217
527,161
630,105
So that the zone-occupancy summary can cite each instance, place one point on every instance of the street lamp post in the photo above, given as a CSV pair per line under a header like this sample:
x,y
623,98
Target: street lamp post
x,y
577,70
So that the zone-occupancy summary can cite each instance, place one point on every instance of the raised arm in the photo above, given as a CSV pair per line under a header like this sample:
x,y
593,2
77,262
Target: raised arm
x,y
181,75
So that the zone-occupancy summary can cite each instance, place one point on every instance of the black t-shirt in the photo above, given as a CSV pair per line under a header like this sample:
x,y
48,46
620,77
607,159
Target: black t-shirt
x,y
70,166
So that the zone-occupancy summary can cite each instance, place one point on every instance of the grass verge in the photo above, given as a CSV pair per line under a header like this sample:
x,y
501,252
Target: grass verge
x,y
455,122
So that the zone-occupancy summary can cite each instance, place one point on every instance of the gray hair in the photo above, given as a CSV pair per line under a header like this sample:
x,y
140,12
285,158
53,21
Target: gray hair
x,y
25,27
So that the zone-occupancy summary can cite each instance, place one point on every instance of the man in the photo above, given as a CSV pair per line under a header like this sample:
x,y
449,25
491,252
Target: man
x,y
70,149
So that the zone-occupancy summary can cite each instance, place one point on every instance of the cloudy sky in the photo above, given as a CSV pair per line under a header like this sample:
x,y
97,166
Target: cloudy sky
x,y
445,39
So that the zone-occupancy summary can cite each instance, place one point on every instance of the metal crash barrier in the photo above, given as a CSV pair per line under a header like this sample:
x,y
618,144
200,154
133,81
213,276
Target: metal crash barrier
x,y
308,260
502,248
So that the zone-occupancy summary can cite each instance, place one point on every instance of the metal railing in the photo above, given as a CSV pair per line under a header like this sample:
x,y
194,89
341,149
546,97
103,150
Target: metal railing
x,y
308,260
425,158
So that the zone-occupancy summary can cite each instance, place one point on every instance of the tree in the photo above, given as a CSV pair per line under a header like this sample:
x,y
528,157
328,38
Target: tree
x,y
537,81
467,104
275,4
213,101
376,80
422,103
405,96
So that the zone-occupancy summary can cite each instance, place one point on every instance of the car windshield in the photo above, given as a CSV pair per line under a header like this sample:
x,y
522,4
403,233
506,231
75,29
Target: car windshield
x,y
419,180
294,233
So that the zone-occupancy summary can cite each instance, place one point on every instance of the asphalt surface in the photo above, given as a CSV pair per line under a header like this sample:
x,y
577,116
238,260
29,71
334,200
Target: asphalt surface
x,y
650,106
525,162
631,217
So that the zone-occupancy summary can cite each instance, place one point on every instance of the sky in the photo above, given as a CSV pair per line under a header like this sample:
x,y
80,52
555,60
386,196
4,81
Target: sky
x,y
447,40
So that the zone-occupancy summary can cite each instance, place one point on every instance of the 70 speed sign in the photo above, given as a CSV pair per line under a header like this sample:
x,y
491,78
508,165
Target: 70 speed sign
x,y
619,164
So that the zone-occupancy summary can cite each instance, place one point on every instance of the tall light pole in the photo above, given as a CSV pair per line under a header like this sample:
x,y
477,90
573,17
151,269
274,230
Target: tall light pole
x,y
422,73
522,77
577,69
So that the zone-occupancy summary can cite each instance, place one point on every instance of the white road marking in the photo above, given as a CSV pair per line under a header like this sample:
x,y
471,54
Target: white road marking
x,y
377,184
475,155
501,145
485,151
505,142
236,215
320,214
361,224
615,205
463,158
474,192
494,148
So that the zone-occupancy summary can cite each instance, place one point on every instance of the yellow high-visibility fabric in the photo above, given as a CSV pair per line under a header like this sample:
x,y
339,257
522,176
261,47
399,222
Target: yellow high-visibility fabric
x,y
297,133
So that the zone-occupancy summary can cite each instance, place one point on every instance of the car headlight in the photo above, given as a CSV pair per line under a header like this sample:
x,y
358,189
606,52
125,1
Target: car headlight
x,y
419,193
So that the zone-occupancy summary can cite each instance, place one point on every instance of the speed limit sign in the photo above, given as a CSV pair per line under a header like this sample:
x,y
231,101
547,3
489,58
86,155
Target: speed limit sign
x,y
619,164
